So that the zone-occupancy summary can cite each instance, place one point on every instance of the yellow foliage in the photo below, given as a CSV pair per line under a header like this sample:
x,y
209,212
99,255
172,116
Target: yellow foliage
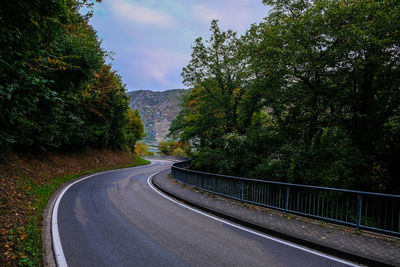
x,y
142,149
193,102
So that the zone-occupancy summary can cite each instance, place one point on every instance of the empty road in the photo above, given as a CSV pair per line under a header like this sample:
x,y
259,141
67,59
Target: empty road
x,y
117,219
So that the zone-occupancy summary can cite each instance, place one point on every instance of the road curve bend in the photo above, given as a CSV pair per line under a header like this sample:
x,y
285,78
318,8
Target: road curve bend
x,y
117,219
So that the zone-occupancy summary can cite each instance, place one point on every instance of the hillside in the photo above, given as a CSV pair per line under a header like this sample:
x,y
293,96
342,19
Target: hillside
x,y
28,179
157,110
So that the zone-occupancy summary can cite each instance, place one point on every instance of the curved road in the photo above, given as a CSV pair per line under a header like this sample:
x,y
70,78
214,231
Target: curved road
x,y
117,219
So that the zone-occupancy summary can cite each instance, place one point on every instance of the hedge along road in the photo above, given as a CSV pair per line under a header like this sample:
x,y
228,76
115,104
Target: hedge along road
x,y
118,219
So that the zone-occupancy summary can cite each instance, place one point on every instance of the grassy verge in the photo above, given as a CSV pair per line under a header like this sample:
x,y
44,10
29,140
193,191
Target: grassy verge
x,y
28,238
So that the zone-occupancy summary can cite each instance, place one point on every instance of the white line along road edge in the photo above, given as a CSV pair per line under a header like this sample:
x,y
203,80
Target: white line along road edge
x,y
55,235
57,248
247,229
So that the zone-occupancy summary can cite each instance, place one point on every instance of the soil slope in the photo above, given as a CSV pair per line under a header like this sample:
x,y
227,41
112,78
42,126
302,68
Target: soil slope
x,y
23,178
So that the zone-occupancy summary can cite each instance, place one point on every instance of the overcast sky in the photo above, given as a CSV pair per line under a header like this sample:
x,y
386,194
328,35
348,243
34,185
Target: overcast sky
x,y
152,38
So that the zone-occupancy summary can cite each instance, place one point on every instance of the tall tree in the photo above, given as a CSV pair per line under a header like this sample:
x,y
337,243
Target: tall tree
x,y
55,90
211,107
340,60
317,100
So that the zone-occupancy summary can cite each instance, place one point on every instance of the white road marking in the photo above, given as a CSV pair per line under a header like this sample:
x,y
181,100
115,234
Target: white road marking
x,y
247,229
57,247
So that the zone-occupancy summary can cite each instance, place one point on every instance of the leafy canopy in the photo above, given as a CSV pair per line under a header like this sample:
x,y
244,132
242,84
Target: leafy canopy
x,y
55,89
310,95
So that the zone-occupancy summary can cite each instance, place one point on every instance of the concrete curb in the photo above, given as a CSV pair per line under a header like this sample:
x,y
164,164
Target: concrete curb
x,y
47,239
328,250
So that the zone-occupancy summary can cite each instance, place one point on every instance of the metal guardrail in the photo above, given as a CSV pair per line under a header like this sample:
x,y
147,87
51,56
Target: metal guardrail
x,y
362,210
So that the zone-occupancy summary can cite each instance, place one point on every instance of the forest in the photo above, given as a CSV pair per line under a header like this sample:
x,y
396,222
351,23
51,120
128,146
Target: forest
x,y
310,95
64,113
56,90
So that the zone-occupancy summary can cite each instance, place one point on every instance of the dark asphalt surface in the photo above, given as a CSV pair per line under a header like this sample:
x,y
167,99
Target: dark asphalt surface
x,y
116,219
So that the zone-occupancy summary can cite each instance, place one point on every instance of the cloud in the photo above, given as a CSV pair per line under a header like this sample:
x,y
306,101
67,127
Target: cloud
x,y
160,65
236,15
152,38
206,14
136,13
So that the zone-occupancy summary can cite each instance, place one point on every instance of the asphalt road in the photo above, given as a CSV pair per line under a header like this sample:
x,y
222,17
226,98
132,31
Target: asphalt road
x,y
117,219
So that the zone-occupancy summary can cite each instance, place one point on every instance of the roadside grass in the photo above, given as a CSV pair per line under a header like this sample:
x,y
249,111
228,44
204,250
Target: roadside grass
x,y
28,238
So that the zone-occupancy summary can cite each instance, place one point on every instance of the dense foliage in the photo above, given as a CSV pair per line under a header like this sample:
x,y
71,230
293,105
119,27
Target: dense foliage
x,y
55,89
310,95
142,149
173,148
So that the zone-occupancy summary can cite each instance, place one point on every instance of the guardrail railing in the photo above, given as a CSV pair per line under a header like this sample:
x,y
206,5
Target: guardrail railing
x,y
363,210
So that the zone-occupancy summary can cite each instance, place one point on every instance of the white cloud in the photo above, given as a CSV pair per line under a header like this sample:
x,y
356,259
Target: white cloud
x,y
234,14
161,65
206,14
136,13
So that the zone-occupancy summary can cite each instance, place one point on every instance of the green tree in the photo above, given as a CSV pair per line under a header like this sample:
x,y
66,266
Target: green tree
x,y
27,29
340,64
173,147
135,128
316,101
142,149
55,90
216,105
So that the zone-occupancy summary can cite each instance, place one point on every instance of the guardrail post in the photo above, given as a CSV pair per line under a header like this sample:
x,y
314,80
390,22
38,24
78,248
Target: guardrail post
x,y
359,208
242,192
287,199
214,184
398,228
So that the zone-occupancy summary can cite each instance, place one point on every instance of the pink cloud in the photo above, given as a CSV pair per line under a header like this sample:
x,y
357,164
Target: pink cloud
x,y
132,12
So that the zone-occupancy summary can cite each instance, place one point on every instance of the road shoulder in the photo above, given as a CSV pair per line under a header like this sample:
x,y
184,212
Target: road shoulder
x,y
365,248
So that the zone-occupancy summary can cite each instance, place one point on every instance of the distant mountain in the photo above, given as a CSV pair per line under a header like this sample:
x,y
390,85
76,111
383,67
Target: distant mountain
x,y
158,110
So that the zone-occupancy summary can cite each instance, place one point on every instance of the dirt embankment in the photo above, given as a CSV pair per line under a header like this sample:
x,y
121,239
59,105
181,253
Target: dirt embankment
x,y
23,177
